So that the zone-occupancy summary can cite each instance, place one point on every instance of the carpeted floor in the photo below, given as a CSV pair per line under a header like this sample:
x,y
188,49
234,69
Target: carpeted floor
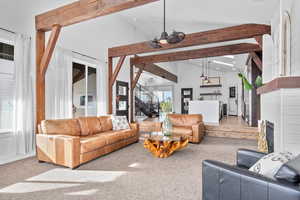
x,y
127,174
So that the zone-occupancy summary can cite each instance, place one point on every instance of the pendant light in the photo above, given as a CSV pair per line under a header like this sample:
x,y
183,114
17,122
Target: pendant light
x,y
202,75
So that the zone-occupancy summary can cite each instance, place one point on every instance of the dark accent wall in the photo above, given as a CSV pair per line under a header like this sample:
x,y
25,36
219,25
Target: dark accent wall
x,y
255,98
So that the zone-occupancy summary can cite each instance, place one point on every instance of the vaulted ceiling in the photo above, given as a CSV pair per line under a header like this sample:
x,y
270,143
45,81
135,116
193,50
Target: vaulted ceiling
x,y
183,15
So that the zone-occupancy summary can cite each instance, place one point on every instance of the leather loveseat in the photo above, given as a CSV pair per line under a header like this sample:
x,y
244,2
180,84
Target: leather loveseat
x,y
72,142
225,182
190,125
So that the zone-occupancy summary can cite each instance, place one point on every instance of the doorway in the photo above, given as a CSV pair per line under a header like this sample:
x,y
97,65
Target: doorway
x,y
233,101
122,98
186,97
84,90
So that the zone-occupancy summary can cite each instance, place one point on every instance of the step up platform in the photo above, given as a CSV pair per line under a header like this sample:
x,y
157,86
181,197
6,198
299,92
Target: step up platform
x,y
250,133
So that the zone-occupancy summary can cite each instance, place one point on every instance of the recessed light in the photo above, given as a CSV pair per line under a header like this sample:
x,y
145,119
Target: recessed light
x,y
229,56
223,63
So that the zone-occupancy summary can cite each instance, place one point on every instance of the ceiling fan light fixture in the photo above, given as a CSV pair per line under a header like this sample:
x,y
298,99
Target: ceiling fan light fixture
x,y
164,38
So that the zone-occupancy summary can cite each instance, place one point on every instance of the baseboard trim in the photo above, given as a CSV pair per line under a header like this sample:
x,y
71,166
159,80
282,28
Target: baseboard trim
x,y
10,159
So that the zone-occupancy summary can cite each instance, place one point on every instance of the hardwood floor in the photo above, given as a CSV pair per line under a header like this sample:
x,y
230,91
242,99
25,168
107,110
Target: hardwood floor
x,y
232,127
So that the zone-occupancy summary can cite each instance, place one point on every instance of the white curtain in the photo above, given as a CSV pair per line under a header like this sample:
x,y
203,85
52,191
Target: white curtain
x,y
59,85
102,88
23,116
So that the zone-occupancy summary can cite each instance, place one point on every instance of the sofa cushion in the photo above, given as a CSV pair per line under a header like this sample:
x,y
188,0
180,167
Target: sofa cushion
x,y
184,120
290,171
116,136
120,123
61,127
182,130
92,142
270,164
89,125
106,123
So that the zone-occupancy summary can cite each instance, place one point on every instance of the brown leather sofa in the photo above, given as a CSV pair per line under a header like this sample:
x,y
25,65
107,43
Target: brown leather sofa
x,y
72,142
190,125
150,126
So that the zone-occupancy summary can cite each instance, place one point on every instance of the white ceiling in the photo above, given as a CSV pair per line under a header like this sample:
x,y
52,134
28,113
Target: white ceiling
x,y
199,15
183,15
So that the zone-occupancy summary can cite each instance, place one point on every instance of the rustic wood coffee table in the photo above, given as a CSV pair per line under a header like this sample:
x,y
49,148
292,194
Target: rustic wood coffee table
x,y
163,146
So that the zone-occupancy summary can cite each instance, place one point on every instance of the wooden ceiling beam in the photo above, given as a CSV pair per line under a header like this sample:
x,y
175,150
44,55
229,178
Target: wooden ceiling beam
x,y
83,10
197,53
244,31
158,71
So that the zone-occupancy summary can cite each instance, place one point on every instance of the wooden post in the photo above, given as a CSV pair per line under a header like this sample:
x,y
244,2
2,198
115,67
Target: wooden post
x,y
131,95
40,81
43,57
110,87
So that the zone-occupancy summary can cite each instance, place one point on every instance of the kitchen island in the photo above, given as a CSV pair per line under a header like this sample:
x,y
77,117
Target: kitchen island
x,y
210,110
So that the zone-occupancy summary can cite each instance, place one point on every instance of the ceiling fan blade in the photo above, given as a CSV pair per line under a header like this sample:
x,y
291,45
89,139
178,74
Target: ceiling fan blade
x,y
176,37
155,44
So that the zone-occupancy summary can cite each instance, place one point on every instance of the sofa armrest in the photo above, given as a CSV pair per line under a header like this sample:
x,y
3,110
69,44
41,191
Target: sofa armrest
x,y
59,149
198,132
135,128
225,182
247,158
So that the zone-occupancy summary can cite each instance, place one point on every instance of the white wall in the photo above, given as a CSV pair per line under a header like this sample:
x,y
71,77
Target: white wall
x,y
282,107
189,77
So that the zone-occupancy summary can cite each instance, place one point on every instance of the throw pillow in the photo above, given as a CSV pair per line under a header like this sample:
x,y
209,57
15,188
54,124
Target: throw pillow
x,y
290,171
119,123
271,163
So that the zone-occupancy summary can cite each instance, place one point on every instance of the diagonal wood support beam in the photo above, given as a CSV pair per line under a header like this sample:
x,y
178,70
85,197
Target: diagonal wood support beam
x,y
49,49
240,32
197,53
257,60
137,77
83,10
117,70
259,40
158,71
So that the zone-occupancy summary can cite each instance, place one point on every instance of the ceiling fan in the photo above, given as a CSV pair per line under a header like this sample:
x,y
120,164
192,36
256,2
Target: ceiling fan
x,y
165,38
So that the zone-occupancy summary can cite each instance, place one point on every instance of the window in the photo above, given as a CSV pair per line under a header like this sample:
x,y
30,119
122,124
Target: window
x,y
84,90
6,86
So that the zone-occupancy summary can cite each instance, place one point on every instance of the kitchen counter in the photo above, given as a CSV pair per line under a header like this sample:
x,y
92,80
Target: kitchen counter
x,y
210,110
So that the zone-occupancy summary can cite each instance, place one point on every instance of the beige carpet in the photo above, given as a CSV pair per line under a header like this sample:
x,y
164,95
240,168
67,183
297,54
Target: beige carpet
x,y
128,174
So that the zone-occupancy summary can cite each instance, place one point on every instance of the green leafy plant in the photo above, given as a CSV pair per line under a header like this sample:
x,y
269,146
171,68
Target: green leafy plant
x,y
246,83
166,106
258,81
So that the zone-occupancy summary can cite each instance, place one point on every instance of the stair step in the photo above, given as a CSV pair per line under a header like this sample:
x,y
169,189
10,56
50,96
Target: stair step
x,y
232,134
232,129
